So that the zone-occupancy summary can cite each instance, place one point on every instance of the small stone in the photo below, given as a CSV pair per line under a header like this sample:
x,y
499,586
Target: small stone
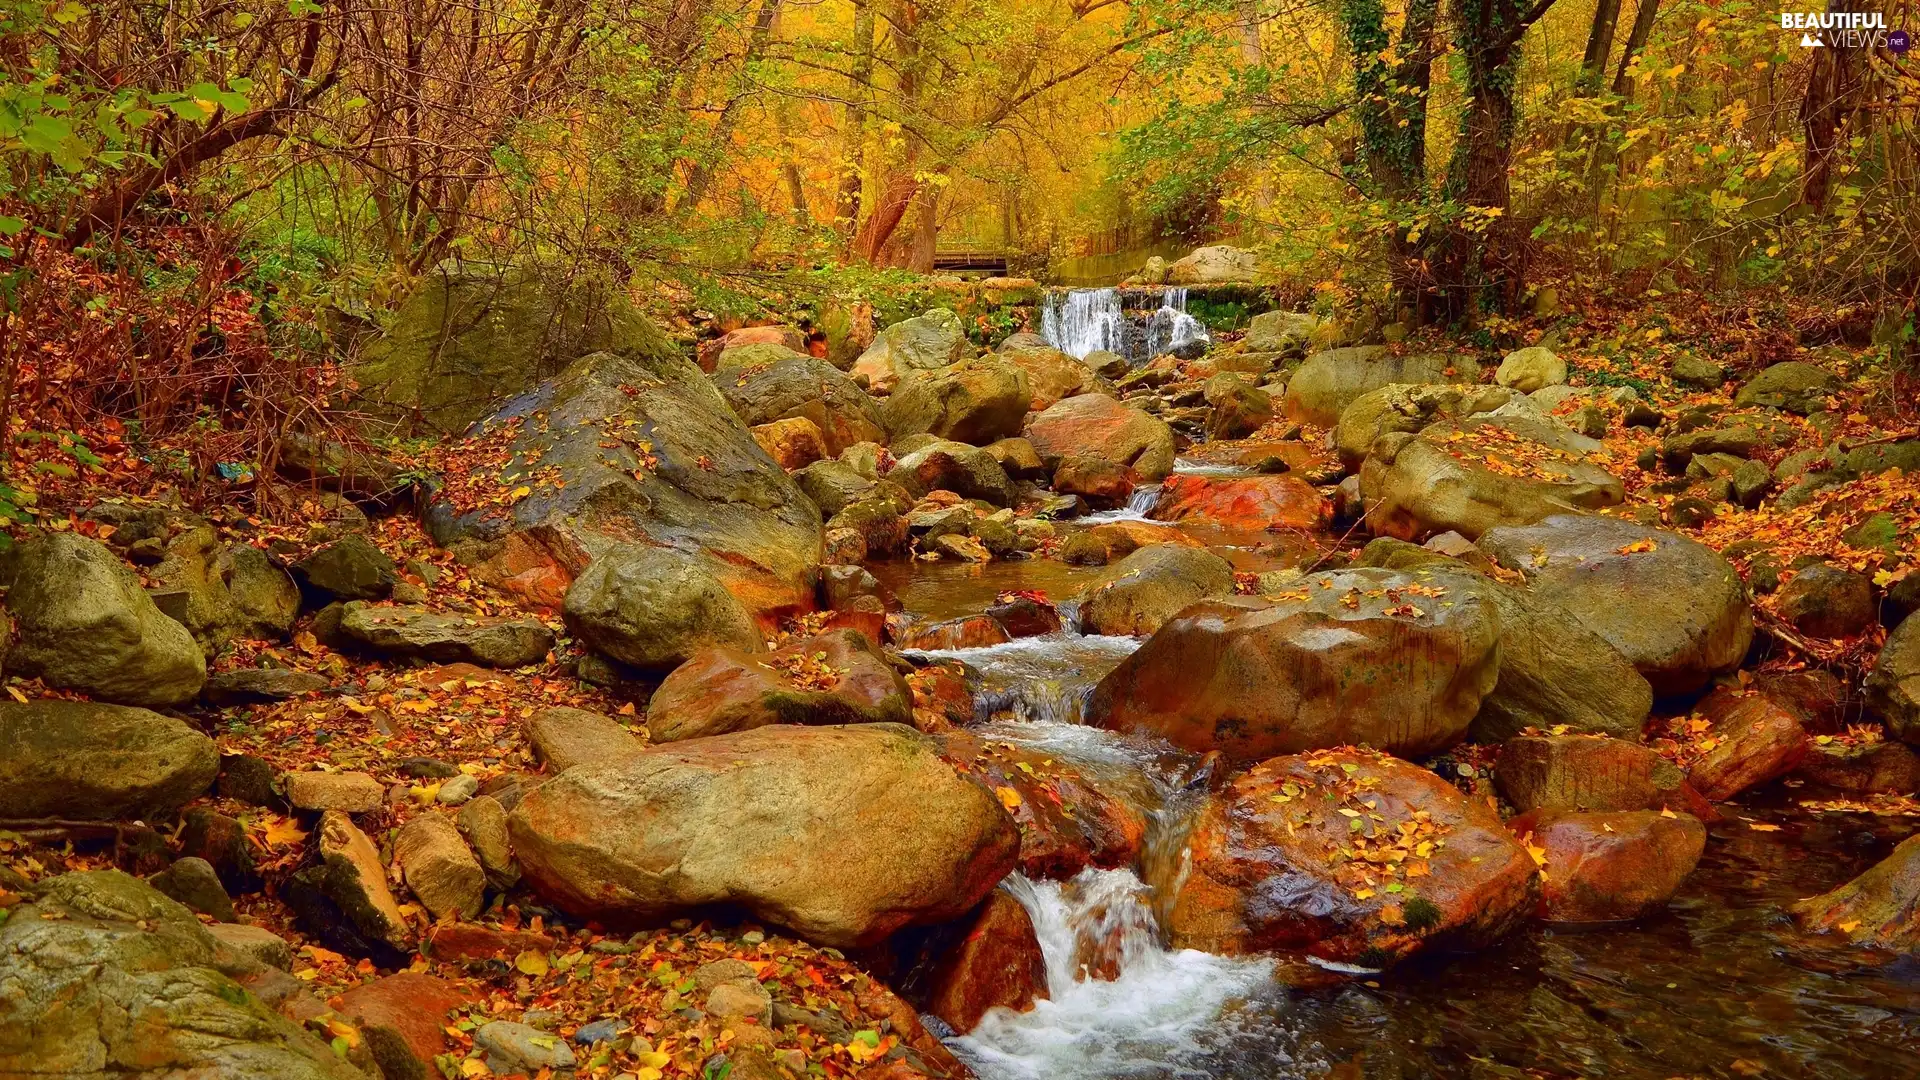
x,y
344,899
348,792
194,883
256,943
515,1047
963,548
1828,601
564,737
222,843
707,976
474,941
439,867
426,768
248,779
251,686
350,568
743,999
458,790
597,1032
484,821
1694,371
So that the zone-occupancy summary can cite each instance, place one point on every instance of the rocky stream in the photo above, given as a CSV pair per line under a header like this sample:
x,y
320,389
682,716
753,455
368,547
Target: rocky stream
x,y
1122,700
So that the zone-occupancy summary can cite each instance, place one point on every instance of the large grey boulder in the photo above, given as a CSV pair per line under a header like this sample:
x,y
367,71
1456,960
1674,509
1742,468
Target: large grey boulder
x,y
975,401
1151,585
1287,333
80,759
1322,388
842,834
105,977
1672,606
768,383
968,471
1408,407
1481,472
83,623
651,608
1796,386
911,347
471,336
1893,688
615,450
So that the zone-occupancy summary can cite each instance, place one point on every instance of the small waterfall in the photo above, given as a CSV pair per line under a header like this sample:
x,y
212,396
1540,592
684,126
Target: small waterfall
x,y
1040,679
1136,325
1139,504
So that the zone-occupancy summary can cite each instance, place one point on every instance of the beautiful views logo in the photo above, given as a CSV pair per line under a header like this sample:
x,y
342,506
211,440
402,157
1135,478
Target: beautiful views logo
x,y
1845,30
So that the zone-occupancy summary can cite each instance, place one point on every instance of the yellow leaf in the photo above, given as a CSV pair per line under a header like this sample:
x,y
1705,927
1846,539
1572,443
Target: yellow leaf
x,y
653,1059
1849,926
520,492
532,962
1664,812
15,693
473,1067
1757,827
1009,798
1363,894
282,832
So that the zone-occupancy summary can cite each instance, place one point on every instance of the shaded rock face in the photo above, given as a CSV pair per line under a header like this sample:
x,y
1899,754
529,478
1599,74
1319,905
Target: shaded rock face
x,y
402,1017
1051,374
82,622
1589,772
1479,473
1893,687
344,899
265,599
647,453
1673,607
1067,821
975,401
105,977
471,337
1277,865
1097,425
996,963
1250,502
843,834
765,384
833,678
1151,585
928,342
1608,867
1328,382
1827,601
1395,660
1239,407
79,759
651,608
419,633
1882,768
1880,908
351,568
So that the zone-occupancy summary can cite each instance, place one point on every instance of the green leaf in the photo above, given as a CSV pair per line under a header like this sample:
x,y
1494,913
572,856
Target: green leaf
x,y
868,1039
46,134
10,226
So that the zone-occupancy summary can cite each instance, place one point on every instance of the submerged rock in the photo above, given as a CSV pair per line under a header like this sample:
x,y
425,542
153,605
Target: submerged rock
x,y
82,622
1880,908
1351,857
1398,661
843,834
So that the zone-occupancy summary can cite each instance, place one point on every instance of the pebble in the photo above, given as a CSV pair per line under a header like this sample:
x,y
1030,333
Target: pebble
x,y
515,1047
459,789
597,1032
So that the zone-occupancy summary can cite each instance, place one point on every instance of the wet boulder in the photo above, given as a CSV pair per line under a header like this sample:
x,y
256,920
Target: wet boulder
x,y
794,443
1247,502
1068,819
93,762
1395,660
1862,768
965,632
975,401
1101,484
766,384
1322,388
842,834
1051,374
838,677
1828,601
1097,425
1672,606
1753,737
1893,687
471,336
614,451
910,347
943,465
994,962
1481,472
1151,585
1348,856
1239,407
1612,866
651,608
1111,541
1589,772
1879,909
106,977
82,622
419,633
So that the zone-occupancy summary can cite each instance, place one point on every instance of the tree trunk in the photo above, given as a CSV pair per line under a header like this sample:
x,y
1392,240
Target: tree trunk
x,y
1593,65
846,210
1833,91
1393,123
1643,16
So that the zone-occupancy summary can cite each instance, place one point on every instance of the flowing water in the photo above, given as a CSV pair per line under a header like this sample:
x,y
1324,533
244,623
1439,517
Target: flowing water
x,y
1721,985
1136,324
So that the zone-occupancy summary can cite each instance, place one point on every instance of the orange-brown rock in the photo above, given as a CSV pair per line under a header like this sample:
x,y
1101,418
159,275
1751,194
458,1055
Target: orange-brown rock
x,y
1880,908
1397,660
793,443
1591,772
403,1019
1249,502
1114,540
1754,738
1067,821
1101,484
478,941
941,697
997,963
838,677
1606,867
1095,424
969,632
1879,768
1348,856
